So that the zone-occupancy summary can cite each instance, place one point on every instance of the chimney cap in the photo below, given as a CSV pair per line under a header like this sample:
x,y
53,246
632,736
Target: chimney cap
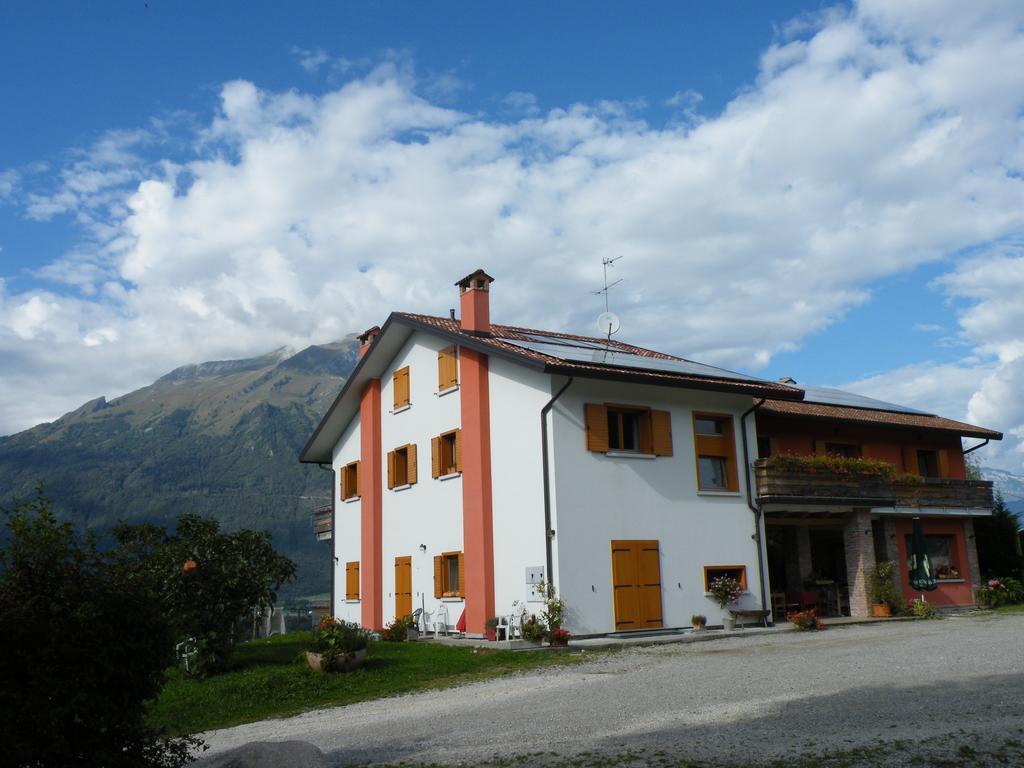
x,y
465,282
369,334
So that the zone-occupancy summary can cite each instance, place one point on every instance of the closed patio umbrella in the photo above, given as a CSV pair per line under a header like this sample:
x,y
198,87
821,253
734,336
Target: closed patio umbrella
x,y
922,575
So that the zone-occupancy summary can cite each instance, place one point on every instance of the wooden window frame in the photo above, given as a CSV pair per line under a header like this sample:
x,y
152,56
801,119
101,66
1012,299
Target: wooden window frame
x,y
717,446
352,580
708,569
448,368
442,584
654,429
411,471
437,450
400,388
350,481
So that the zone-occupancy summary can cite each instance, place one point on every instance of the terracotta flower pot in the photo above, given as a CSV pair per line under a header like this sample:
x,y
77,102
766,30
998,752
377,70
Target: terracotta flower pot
x,y
881,611
344,663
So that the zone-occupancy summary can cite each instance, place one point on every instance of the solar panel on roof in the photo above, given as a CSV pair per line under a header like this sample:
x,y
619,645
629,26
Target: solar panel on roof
x,y
829,396
604,356
542,339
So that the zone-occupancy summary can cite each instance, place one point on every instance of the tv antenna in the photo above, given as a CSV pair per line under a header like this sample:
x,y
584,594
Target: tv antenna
x,y
608,322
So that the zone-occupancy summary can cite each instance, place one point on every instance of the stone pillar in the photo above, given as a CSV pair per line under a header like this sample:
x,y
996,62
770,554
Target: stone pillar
x,y
973,572
860,557
892,552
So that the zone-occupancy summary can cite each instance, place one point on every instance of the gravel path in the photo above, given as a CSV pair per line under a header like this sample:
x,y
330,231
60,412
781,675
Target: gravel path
x,y
738,700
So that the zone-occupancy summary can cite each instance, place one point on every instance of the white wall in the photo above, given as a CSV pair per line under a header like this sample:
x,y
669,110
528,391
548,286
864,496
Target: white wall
x,y
429,512
600,498
346,536
517,395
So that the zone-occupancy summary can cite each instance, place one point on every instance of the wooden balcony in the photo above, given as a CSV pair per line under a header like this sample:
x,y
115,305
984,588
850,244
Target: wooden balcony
x,y
820,487
323,523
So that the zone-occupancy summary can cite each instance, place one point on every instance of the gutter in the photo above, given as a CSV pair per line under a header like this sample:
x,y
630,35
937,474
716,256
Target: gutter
x,y
976,447
755,508
546,474
334,519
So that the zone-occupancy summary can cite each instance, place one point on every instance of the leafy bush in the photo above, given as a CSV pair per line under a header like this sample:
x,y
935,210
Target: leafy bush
x,y
398,630
883,588
553,612
725,590
833,465
805,621
559,636
206,581
699,620
1001,591
924,610
83,647
533,629
997,541
334,639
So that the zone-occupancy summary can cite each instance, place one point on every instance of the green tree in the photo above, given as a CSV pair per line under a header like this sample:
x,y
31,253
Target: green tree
x,y
205,580
998,542
83,647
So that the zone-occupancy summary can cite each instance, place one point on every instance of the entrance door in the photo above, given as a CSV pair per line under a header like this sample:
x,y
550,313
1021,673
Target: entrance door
x,y
403,586
636,584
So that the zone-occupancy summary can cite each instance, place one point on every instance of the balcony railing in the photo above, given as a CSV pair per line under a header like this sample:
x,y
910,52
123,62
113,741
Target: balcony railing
x,y
323,523
818,486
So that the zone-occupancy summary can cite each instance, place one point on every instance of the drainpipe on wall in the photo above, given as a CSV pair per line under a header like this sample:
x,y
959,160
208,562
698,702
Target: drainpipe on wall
x,y
755,508
334,520
548,563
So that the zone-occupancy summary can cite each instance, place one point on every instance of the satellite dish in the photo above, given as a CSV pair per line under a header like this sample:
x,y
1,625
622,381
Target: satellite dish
x,y
608,323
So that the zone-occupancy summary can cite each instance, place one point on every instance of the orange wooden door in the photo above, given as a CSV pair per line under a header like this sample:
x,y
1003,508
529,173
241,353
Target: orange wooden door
x,y
636,584
403,586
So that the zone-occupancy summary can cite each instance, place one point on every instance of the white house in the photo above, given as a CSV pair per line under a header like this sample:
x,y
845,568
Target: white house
x,y
474,459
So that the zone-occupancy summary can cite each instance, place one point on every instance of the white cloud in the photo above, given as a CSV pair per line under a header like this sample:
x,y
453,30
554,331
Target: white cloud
x,y
522,103
864,148
311,61
929,328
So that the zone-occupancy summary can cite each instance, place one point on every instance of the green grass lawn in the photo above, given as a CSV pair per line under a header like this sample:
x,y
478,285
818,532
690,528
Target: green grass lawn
x,y
1010,609
269,678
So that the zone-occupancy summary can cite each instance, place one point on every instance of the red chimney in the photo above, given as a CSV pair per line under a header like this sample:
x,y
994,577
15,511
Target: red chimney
x,y
474,293
366,339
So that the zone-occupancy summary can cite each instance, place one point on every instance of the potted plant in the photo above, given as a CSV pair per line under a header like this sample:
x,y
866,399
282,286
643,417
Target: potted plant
x,y
725,590
883,589
400,630
338,646
699,622
491,628
559,638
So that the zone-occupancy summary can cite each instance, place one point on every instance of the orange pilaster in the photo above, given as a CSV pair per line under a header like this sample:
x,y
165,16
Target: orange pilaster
x,y
371,505
477,523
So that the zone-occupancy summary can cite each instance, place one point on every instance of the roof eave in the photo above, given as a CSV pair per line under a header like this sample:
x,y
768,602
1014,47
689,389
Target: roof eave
x,y
979,432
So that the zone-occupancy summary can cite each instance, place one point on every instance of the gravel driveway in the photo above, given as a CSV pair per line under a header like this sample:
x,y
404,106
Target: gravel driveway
x,y
954,684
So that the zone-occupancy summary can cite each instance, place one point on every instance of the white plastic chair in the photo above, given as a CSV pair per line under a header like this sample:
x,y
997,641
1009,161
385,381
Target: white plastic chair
x,y
441,621
515,620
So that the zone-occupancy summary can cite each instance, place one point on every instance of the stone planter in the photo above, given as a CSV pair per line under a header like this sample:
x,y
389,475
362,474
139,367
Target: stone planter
x,y
729,622
344,663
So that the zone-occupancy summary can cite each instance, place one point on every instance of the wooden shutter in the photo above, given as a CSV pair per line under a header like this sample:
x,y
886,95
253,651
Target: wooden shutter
x,y
661,433
644,439
447,368
400,385
458,450
391,469
595,418
732,477
438,576
410,463
435,457
910,465
352,580
462,575
357,472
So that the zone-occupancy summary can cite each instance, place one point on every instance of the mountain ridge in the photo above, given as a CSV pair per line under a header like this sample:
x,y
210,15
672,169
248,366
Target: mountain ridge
x,y
217,438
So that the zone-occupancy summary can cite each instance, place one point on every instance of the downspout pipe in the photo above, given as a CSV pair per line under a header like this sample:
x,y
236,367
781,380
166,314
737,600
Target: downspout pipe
x,y
546,475
334,519
755,508
976,447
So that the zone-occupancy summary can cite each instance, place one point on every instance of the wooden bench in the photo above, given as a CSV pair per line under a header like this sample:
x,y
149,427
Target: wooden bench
x,y
742,616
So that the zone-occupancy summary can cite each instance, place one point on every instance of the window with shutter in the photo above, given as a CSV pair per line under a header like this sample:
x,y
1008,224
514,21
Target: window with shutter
x,y
400,387
350,481
449,575
447,369
627,428
402,466
712,572
715,448
352,580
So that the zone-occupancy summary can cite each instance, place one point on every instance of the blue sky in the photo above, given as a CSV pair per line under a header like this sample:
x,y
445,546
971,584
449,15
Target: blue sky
x,y
806,189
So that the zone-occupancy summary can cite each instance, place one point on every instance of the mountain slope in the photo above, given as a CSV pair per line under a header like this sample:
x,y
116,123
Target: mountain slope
x,y
219,438
1010,485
